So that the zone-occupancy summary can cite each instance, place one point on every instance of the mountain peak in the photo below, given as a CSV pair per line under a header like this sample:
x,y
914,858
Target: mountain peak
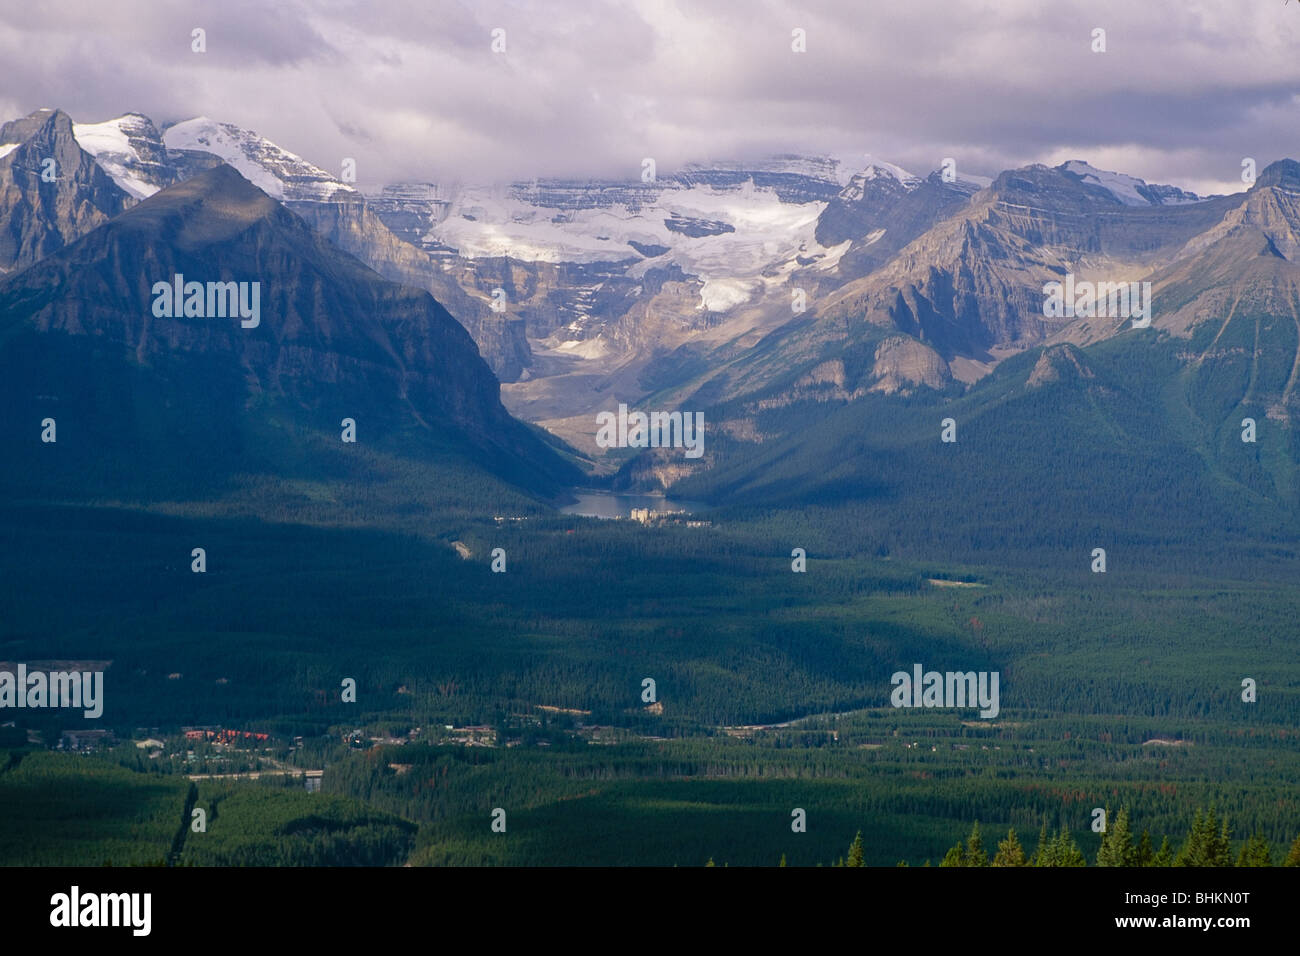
x,y
211,206
277,172
223,181
221,184
38,216
50,121
1128,190
130,149
877,169
1059,362
1283,172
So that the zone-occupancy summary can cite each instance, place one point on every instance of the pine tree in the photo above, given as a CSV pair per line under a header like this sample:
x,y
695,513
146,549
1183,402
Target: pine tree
x,y
975,852
1255,852
1196,847
1144,855
1293,855
855,852
710,863
1117,843
1066,851
1043,851
1010,852
1165,856
955,857
1221,854
1208,844
782,863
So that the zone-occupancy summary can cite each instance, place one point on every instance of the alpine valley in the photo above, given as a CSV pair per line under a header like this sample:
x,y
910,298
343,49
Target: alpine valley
x,y
331,543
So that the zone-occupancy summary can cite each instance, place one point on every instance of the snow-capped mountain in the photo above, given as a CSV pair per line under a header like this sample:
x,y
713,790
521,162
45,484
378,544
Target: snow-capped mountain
x,y
583,292
708,231
277,172
130,149
607,272
411,210
1128,190
593,269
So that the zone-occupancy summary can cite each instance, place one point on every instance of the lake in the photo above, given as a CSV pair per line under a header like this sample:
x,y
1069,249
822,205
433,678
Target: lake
x,y
609,504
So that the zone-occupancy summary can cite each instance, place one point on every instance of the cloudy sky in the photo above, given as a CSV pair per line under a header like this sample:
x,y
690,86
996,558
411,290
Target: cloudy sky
x,y
413,90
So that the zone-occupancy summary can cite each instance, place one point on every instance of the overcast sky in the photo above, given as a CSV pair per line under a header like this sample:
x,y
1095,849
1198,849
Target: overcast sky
x,y
413,90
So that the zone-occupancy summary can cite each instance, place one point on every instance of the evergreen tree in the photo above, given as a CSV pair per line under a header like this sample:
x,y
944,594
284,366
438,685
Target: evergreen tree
x,y
1255,852
1117,843
975,852
1196,847
1144,855
1010,852
1165,856
782,863
855,852
955,857
1293,855
1043,850
710,863
1066,852
1222,847
1208,843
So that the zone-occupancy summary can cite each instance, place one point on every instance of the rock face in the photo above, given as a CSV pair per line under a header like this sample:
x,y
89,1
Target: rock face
x,y
880,214
973,282
44,205
354,227
902,364
1234,293
1058,363
333,339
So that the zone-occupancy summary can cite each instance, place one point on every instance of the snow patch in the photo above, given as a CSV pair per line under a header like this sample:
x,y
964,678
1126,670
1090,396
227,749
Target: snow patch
x,y
8,148
1121,186
111,147
719,295
876,169
584,348
770,235
277,172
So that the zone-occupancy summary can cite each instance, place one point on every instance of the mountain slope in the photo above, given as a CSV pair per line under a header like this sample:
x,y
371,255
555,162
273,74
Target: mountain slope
x,y
51,190
352,226
81,340
972,285
1060,450
1160,412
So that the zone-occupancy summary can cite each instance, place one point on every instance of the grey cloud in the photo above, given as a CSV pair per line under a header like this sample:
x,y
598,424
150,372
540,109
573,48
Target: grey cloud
x,y
588,87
